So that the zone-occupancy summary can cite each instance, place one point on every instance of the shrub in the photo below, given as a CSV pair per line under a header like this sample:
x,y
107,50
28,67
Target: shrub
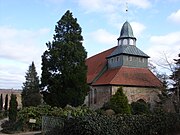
x,y
27,113
13,108
139,107
96,124
93,124
119,102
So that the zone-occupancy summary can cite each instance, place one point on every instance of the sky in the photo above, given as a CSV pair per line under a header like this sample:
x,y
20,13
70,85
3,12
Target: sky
x,y
27,25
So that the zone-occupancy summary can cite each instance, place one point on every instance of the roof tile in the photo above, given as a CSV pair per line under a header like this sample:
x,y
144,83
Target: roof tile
x,y
96,63
129,76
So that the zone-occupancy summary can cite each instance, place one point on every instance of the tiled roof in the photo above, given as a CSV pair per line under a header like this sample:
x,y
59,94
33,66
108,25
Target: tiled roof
x,y
129,50
129,77
96,63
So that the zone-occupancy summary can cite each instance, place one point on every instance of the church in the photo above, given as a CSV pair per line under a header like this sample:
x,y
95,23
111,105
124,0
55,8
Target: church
x,y
123,66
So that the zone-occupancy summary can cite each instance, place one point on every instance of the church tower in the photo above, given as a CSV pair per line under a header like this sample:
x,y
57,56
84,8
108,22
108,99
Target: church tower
x,y
127,54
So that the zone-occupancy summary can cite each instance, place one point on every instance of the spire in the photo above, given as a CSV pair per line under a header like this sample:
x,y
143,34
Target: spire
x,y
126,35
126,30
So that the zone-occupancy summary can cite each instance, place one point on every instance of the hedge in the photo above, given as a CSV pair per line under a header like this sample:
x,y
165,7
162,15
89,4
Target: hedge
x,y
97,124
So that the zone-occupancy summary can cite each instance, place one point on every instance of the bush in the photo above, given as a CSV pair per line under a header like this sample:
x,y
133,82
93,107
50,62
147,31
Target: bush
x,y
96,124
93,124
13,108
27,113
119,102
139,107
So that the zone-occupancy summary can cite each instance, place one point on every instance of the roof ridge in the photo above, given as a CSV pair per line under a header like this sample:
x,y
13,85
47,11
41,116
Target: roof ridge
x,y
102,52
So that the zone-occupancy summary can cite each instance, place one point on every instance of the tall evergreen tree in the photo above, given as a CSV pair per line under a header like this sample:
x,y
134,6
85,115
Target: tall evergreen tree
x,y
6,103
176,78
31,90
13,108
63,65
1,102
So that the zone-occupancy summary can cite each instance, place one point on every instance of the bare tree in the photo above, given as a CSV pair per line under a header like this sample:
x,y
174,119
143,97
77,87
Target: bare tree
x,y
174,68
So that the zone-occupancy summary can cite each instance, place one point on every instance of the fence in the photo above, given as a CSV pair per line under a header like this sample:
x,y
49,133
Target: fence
x,y
50,122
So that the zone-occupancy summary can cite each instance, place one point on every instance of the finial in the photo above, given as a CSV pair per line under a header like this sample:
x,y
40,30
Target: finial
x,y
126,10
126,6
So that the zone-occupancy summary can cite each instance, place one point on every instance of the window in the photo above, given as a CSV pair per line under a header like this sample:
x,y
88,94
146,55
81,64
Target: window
x,y
125,42
141,59
129,58
112,60
131,42
117,58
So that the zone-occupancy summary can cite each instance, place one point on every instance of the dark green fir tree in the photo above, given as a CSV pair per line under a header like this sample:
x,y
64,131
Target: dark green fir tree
x,y
119,102
63,65
176,86
6,103
31,90
1,102
13,108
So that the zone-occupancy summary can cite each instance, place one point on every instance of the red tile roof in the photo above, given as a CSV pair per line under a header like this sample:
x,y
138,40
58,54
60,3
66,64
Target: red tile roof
x,y
129,77
96,63
118,76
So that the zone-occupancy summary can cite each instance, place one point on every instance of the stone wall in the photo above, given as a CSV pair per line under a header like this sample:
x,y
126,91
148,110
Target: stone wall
x,y
149,95
101,94
8,92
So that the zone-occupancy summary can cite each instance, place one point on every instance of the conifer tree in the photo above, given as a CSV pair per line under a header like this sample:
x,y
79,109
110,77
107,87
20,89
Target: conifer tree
x,y
119,102
31,90
13,108
176,78
1,102
63,65
6,103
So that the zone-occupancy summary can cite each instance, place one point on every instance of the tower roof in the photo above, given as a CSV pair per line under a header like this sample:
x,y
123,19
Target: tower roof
x,y
126,31
128,50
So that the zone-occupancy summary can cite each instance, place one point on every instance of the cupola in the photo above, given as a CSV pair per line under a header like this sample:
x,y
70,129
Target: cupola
x,y
126,35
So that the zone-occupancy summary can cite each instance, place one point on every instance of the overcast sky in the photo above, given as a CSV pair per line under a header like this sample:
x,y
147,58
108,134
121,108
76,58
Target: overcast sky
x,y
26,26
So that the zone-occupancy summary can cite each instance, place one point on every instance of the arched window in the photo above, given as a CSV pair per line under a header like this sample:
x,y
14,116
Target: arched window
x,y
125,42
95,96
131,42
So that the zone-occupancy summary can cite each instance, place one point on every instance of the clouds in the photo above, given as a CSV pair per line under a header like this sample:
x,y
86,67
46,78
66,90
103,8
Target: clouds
x,y
140,3
23,37
175,16
111,5
168,45
104,37
20,44
138,28
18,48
